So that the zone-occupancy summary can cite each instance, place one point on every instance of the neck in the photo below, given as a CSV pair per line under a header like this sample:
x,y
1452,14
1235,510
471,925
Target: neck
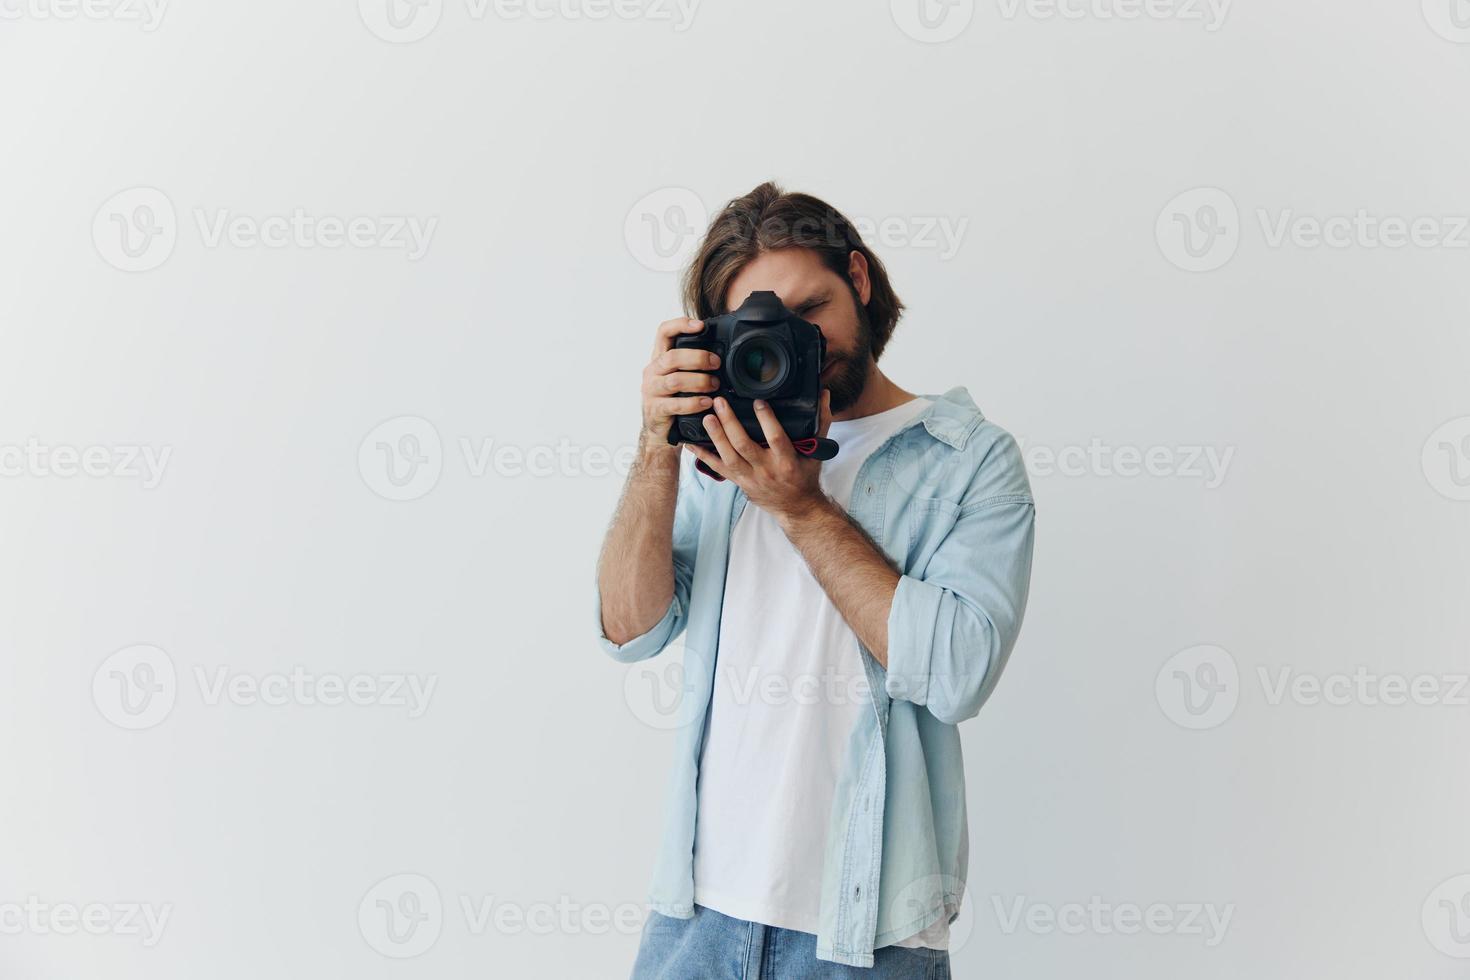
x,y
879,395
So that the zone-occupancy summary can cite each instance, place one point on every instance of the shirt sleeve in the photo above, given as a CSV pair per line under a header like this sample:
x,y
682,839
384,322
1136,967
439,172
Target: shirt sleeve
x,y
951,631
688,512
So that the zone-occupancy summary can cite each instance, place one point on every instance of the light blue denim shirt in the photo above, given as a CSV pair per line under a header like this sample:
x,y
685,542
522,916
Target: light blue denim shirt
x,y
947,499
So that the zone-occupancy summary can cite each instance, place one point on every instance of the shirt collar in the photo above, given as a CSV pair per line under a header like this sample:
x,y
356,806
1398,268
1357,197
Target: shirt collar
x,y
953,417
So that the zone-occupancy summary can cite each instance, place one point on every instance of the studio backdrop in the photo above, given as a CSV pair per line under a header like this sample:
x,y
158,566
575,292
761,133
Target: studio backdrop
x,y
321,327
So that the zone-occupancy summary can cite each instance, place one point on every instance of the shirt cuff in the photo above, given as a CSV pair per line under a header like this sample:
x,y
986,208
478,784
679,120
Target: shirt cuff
x,y
911,621
645,646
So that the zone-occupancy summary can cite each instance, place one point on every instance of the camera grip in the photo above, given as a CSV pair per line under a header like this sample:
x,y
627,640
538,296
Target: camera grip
x,y
817,448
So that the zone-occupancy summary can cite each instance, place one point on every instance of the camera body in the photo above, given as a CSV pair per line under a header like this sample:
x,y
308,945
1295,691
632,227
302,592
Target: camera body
x,y
766,352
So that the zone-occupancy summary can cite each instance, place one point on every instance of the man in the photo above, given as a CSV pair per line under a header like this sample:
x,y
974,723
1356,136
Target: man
x,y
860,609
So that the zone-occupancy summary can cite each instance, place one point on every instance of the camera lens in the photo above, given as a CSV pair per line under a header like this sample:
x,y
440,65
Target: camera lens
x,y
759,366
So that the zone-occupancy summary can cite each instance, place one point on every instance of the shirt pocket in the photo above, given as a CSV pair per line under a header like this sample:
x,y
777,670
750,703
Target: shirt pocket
x,y
929,521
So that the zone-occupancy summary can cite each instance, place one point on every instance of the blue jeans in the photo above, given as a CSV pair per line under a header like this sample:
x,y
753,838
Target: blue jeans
x,y
712,946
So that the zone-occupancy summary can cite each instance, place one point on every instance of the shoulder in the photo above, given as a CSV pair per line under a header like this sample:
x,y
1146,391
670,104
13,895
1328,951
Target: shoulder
x,y
996,467
987,458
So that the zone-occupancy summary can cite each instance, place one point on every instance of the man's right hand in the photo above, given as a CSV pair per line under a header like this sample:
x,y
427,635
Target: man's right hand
x,y
671,371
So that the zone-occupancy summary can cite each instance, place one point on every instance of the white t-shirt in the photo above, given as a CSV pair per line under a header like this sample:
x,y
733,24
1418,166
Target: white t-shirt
x,y
789,689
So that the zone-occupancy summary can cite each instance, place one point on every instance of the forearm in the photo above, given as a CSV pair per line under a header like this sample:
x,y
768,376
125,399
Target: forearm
x,y
851,569
635,573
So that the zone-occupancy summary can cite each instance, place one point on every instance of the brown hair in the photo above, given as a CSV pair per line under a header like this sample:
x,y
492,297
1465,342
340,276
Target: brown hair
x,y
768,219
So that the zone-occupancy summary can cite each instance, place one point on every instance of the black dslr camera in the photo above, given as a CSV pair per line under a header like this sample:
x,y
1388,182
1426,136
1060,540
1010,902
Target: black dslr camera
x,y
766,352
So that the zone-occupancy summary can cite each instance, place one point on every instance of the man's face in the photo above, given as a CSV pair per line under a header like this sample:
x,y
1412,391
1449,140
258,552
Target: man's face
x,y
817,294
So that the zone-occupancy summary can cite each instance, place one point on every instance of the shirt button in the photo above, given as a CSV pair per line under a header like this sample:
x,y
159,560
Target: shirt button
x,y
869,488
857,894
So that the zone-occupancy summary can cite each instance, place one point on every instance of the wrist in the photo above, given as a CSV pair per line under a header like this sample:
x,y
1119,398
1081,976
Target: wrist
x,y
654,449
804,509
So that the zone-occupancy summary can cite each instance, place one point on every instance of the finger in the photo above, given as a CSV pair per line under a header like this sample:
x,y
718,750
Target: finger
x,y
669,329
684,359
680,406
824,414
775,435
733,461
683,382
708,458
735,432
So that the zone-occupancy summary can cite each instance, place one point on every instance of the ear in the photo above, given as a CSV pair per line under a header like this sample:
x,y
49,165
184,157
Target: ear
x,y
857,272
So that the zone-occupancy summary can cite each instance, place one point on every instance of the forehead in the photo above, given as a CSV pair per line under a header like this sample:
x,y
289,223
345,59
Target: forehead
x,y
793,274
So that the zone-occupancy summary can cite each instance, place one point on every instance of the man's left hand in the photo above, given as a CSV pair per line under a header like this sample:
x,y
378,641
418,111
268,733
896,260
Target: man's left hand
x,y
775,477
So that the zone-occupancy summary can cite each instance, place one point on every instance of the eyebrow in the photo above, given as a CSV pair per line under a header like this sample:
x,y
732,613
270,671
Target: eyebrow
x,y
807,304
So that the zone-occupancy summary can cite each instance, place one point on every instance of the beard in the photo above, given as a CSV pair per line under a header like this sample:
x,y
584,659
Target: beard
x,y
853,365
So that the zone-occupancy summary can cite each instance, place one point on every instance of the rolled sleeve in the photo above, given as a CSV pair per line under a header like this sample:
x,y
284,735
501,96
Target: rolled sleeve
x,y
688,517
951,631
650,643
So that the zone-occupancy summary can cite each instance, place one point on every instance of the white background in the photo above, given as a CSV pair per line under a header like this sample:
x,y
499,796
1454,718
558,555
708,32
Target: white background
x,y
1336,538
